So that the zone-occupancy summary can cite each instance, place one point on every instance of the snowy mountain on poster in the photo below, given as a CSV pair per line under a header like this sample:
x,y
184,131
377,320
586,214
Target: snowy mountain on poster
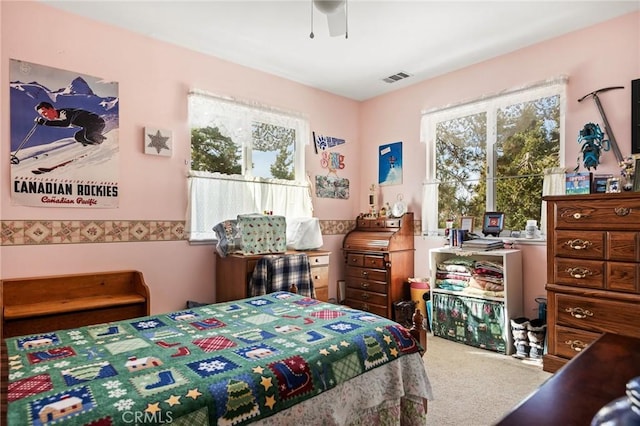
x,y
78,94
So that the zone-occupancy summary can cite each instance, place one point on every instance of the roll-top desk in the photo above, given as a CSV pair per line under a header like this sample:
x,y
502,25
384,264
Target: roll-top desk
x,y
379,254
593,271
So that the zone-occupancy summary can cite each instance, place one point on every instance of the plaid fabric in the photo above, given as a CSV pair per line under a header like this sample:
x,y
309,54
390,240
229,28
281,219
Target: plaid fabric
x,y
279,272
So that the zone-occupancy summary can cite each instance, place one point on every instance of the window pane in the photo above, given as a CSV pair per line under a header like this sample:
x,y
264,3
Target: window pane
x,y
461,167
212,151
273,151
520,199
527,142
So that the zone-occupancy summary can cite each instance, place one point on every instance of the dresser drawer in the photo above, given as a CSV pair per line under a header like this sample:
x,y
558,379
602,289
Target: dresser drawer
x,y
623,246
320,276
376,262
580,245
366,296
318,259
605,214
571,341
359,284
598,315
366,260
322,294
623,277
367,274
579,273
367,307
355,259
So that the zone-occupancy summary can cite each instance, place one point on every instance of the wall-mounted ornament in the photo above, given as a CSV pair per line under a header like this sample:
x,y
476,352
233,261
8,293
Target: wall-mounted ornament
x,y
332,187
333,161
157,141
322,143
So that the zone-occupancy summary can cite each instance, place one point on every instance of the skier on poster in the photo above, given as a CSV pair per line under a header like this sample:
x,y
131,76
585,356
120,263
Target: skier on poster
x,y
91,124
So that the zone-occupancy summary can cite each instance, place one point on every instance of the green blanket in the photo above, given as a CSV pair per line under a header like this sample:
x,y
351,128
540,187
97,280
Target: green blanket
x,y
230,363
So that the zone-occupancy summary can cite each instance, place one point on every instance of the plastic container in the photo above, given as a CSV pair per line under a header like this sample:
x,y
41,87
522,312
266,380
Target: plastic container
x,y
420,293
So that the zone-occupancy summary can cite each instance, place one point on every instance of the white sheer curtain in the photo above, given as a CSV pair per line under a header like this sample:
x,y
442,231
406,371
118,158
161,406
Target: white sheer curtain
x,y
430,208
214,197
553,184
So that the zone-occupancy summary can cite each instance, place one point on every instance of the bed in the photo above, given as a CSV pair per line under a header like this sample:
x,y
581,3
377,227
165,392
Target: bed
x,y
275,359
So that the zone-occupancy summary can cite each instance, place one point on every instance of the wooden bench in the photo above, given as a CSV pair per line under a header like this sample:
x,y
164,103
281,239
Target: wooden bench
x,y
42,304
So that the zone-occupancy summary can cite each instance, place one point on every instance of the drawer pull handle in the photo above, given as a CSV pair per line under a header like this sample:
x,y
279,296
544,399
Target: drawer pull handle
x,y
316,277
577,215
365,296
579,272
365,307
622,211
578,244
365,273
576,345
579,313
354,260
364,285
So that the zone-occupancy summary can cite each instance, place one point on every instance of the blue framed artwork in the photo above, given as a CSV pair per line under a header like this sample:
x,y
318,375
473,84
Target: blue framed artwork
x,y
390,164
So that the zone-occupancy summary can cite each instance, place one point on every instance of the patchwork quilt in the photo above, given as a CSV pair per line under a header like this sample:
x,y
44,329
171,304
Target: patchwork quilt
x,y
225,364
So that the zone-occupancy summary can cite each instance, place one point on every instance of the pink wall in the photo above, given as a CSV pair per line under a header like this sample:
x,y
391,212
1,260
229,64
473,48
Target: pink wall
x,y
154,79
600,56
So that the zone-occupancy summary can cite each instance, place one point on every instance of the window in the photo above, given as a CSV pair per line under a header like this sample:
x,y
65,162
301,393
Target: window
x,y
245,158
491,155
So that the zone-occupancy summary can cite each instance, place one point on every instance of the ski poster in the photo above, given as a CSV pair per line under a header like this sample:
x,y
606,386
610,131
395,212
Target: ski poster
x,y
390,164
64,138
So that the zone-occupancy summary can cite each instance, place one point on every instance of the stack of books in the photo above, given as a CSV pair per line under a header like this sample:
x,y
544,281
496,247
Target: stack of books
x,y
483,244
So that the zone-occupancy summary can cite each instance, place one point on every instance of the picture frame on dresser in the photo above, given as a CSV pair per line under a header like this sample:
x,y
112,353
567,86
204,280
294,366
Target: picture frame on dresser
x,y
613,185
636,177
466,223
493,223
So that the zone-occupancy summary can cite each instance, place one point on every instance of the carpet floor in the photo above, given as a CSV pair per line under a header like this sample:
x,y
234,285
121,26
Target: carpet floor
x,y
473,386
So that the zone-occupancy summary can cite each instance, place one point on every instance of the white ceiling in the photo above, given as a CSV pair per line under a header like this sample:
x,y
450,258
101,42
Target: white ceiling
x,y
422,38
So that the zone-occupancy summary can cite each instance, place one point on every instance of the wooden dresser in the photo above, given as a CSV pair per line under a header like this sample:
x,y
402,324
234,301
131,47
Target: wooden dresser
x,y
593,271
233,273
379,254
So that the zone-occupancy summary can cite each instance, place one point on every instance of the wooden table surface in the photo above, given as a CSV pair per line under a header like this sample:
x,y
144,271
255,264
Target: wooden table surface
x,y
592,379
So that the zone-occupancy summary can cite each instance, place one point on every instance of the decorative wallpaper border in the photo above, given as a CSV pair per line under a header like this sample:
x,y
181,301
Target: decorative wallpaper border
x,y
45,232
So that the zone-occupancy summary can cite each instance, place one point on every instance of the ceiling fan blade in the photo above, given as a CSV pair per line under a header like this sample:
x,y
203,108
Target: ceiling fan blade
x,y
337,22
327,6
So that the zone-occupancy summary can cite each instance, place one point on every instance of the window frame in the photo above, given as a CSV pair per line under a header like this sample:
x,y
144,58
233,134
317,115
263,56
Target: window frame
x,y
289,198
253,112
489,104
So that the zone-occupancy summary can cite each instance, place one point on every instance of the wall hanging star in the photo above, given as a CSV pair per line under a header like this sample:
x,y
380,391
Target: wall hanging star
x,y
157,141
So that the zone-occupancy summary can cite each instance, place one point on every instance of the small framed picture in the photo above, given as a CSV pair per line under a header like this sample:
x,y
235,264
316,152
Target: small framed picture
x,y
613,185
493,223
636,176
600,183
466,222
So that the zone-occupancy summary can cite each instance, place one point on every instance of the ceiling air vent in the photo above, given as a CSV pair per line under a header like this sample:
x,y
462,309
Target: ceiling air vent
x,y
396,77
